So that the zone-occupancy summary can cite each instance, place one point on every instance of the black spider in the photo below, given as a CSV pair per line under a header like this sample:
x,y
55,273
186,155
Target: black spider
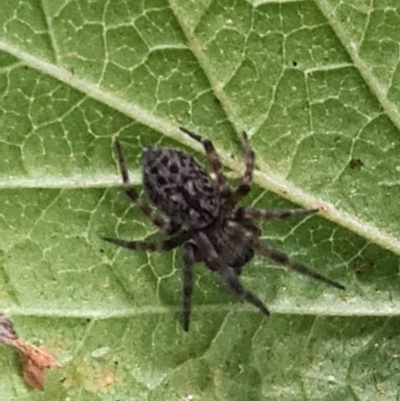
x,y
202,217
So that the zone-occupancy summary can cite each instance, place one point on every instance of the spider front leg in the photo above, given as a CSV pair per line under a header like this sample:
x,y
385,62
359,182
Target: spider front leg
x,y
228,274
251,239
144,207
282,259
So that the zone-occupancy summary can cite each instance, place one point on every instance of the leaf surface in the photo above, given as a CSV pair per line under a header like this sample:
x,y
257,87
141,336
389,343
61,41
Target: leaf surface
x,y
316,86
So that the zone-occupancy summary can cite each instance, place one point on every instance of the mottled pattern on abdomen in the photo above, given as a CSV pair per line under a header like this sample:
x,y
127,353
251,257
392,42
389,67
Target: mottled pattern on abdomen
x,y
179,187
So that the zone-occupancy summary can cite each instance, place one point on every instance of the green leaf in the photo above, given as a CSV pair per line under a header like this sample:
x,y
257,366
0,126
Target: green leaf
x,y
316,84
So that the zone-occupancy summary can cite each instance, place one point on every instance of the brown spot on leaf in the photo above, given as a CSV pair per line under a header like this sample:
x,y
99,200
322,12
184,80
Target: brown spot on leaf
x,y
107,380
355,164
362,266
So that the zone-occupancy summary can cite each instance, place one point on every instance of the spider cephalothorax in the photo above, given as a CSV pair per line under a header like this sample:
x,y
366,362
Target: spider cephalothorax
x,y
202,218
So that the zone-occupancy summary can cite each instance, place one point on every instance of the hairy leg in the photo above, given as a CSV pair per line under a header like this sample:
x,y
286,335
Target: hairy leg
x,y
255,214
244,187
213,159
214,262
282,259
166,245
246,237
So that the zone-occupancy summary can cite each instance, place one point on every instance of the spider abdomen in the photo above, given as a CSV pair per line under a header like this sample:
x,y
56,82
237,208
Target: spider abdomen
x,y
179,187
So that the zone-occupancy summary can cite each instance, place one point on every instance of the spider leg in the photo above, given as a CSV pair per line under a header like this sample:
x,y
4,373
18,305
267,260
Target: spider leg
x,y
144,207
282,259
244,187
254,214
249,238
213,159
187,277
166,245
214,262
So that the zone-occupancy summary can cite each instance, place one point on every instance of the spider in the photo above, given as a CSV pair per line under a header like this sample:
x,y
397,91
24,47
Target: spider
x,y
202,217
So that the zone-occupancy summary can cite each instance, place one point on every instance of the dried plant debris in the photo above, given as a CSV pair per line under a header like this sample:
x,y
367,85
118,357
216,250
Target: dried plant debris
x,y
7,333
35,360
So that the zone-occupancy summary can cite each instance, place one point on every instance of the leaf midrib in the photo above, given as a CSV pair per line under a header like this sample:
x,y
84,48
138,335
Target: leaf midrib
x,y
345,309
266,179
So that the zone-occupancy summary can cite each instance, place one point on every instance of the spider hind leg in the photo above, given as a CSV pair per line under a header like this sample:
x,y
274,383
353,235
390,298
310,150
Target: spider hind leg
x,y
213,159
245,185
